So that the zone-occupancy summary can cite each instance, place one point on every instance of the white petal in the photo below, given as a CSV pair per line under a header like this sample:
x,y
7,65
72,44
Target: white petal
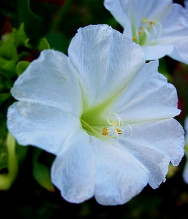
x,y
185,171
151,10
172,18
154,161
175,32
186,5
157,51
105,59
147,97
119,176
180,52
73,171
165,136
186,129
50,80
120,13
43,126
175,22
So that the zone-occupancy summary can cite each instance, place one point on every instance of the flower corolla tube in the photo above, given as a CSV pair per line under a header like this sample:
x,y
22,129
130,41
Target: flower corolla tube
x,y
104,112
159,26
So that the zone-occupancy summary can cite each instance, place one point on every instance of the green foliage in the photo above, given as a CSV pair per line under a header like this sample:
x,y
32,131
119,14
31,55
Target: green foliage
x,y
58,41
43,44
8,50
41,172
14,51
6,179
31,21
21,67
3,155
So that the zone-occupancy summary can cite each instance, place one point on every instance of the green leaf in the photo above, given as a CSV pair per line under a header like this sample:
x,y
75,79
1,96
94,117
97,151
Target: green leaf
x,y
58,41
43,44
7,179
31,21
21,152
7,68
4,97
21,67
8,50
3,155
41,172
163,69
20,37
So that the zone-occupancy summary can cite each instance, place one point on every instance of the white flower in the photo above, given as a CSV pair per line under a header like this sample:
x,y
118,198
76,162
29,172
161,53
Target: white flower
x,y
186,4
159,26
185,172
186,7
105,113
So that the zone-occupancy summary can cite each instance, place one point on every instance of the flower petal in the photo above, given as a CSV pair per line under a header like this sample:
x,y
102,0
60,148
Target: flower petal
x,y
180,51
50,80
186,128
151,10
175,32
73,171
165,136
147,97
118,10
105,60
155,161
43,126
186,5
171,25
157,51
119,176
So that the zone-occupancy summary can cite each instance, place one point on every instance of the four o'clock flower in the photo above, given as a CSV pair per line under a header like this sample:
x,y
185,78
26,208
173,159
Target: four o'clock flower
x,y
159,26
185,172
186,7
105,113
186,4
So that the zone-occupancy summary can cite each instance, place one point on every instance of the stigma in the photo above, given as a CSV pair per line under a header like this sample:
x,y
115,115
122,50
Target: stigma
x,y
113,130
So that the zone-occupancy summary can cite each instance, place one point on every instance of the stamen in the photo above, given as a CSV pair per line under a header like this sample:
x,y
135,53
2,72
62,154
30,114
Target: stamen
x,y
144,20
119,131
105,131
114,130
134,39
148,31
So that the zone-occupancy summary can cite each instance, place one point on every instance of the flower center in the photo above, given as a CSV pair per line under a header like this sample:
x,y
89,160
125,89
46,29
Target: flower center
x,y
147,32
114,126
107,129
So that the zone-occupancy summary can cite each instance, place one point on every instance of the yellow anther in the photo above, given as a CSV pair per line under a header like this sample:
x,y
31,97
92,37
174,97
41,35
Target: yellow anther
x,y
139,32
113,129
105,131
151,23
119,131
141,28
134,38
144,20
